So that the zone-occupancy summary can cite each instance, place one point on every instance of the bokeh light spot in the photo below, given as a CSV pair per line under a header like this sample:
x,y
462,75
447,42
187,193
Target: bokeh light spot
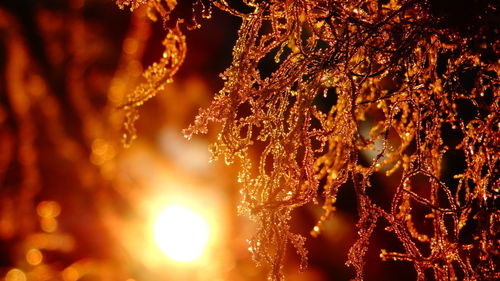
x,y
15,275
48,209
34,256
48,224
70,274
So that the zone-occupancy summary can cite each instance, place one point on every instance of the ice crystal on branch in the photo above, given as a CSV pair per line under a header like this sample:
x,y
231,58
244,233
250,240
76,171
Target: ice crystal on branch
x,y
402,68
157,75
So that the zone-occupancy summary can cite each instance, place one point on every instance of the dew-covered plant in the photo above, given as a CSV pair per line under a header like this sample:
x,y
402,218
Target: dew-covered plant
x,y
402,82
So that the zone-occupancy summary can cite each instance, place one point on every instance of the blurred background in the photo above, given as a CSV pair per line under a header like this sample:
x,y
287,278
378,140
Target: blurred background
x,y
76,205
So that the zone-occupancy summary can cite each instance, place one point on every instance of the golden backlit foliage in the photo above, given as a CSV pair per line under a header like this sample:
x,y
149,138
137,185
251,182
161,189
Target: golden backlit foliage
x,y
394,101
336,94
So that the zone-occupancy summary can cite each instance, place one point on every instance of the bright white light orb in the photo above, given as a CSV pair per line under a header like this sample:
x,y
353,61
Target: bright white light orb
x,y
180,233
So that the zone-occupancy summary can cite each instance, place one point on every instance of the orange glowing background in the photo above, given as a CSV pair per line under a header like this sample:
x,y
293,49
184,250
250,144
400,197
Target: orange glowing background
x,y
76,205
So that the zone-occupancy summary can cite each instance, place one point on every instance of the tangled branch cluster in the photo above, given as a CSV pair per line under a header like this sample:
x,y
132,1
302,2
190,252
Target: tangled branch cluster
x,y
389,79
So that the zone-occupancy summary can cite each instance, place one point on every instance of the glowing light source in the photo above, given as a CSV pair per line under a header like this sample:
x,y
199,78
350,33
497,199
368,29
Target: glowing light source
x,y
180,233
